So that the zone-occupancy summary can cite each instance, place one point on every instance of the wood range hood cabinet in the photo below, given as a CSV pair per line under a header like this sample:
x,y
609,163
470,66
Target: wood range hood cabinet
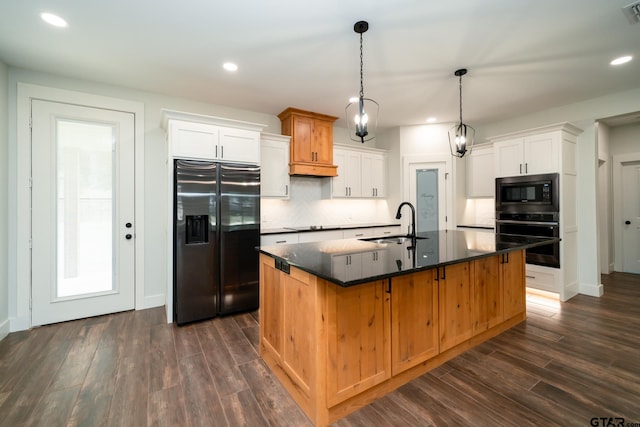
x,y
311,149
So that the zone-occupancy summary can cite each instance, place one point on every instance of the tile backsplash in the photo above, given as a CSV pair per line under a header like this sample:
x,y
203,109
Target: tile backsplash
x,y
306,206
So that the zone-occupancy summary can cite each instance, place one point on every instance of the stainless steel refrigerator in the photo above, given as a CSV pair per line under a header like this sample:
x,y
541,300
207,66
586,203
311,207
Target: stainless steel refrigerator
x,y
216,231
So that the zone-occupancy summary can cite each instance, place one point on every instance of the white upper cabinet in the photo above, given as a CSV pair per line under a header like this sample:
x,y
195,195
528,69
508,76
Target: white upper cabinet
x,y
274,166
348,183
361,173
239,145
533,154
195,136
374,167
481,172
193,140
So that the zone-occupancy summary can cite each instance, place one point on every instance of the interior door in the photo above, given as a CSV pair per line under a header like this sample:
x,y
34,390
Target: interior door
x,y
428,194
631,218
82,211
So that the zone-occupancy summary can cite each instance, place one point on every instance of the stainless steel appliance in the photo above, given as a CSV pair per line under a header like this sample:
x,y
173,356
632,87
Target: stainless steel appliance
x,y
216,231
528,193
529,205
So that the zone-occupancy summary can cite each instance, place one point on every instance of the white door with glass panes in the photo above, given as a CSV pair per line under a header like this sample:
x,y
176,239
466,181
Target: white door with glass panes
x,y
631,218
83,235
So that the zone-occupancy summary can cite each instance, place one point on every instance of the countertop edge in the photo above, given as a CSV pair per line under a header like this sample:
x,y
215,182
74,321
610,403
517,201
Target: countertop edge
x,y
285,230
403,272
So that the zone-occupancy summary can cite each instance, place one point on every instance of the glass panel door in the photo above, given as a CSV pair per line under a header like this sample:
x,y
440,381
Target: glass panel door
x,y
85,175
82,231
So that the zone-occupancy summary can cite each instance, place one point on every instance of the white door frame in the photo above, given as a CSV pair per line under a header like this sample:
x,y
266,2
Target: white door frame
x,y
414,160
20,193
618,160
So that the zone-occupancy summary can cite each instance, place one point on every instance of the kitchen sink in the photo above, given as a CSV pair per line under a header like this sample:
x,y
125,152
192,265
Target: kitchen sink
x,y
392,239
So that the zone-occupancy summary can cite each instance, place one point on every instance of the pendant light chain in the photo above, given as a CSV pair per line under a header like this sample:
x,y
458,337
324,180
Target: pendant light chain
x,y
361,70
362,114
460,77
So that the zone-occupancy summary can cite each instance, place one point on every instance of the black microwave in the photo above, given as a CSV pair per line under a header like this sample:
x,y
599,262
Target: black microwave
x,y
528,193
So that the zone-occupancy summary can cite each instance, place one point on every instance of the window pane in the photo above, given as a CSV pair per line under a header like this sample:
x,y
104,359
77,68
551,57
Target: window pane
x,y
85,207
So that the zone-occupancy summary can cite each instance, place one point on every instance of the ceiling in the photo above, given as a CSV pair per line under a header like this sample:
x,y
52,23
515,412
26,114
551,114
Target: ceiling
x,y
522,57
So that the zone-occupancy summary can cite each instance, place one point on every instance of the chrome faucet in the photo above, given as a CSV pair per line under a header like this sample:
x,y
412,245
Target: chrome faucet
x,y
413,217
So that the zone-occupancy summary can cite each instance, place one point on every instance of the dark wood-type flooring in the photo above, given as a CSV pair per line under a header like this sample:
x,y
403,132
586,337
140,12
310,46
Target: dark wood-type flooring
x,y
569,362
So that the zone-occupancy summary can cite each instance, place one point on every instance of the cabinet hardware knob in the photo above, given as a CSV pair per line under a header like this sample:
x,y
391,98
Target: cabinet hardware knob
x,y
627,222
128,236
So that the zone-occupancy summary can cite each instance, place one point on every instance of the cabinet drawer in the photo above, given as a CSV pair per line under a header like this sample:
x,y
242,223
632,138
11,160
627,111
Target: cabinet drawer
x,y
357,233
318,236
278,239
386,231
542,280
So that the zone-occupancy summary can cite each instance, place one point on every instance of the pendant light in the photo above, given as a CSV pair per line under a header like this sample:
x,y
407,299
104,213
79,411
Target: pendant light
x,y
461,136
362,115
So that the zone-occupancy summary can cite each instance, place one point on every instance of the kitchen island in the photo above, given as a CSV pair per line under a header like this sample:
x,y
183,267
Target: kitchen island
x,y
343,322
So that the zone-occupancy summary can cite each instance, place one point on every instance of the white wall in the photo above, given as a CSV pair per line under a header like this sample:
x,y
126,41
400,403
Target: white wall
x,y
584,115
431,142
605,206
4,206
625,139
155,220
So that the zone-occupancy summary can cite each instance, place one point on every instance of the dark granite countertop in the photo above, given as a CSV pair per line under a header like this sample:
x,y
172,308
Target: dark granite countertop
x,y
349,262
302,229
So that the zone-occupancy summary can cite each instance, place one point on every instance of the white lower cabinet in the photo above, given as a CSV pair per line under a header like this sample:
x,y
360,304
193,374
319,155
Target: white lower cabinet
x,y
392,230
374,262
540,277
347,267
357,233
278,239
318,236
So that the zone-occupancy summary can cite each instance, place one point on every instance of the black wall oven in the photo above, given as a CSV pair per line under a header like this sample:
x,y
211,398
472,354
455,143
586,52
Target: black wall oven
x,y
529,206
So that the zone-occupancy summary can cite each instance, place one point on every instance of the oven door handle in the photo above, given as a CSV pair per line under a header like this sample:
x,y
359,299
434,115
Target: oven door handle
x,y
511,221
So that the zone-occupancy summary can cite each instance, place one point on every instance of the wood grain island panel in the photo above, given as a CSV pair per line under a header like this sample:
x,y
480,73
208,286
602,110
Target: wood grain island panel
x,y
336,349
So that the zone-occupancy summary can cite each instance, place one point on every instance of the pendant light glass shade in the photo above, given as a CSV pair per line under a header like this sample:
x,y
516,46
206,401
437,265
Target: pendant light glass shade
x,y
461,136
362,114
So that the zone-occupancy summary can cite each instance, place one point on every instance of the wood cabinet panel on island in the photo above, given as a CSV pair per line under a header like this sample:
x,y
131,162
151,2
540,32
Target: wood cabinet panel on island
x,y
456,297
358,339
336,348
414,320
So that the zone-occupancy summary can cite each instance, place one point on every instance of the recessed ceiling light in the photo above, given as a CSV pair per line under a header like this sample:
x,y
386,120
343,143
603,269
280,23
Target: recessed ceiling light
x,y
621,60
432,120
54,20
230,66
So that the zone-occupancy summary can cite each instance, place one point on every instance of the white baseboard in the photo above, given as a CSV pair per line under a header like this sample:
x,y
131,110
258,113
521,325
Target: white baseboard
x,y
592,290
4,329
19,323
151,301
569,292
